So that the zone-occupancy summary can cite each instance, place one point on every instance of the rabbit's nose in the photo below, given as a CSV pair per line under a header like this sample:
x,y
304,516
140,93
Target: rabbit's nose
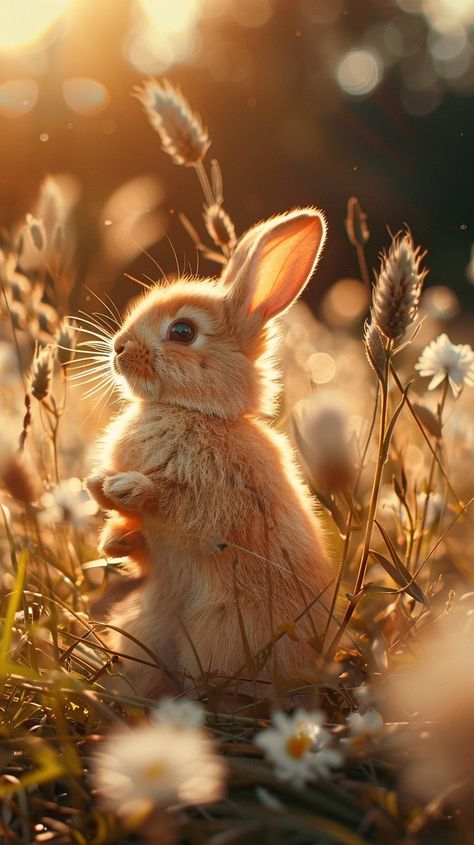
x,y
119,345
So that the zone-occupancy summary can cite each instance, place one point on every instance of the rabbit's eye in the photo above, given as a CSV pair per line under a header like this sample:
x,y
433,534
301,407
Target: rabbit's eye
x,y
182,331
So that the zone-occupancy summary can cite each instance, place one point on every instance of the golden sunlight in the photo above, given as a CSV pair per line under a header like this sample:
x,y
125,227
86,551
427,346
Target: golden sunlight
x,y
171,17
23,23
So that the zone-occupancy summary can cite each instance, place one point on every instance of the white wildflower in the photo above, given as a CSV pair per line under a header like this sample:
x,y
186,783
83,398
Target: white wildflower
x,y
364,695
368,724
322,437
442,359
299,747
181,712
433,509
157,766
390,503
68,502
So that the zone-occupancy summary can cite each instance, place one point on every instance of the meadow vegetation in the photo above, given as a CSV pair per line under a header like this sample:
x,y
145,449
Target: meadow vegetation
x,y
379,405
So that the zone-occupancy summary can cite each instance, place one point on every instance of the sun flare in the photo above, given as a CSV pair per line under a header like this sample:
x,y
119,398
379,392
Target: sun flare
x,y
22,23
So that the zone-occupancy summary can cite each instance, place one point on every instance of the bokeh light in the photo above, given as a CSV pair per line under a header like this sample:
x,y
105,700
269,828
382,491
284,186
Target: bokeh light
x,y
85,96
360,71
440,302
23,23
448,43
171,17
320,367
131,223
345,302
17,97
438,11
165,33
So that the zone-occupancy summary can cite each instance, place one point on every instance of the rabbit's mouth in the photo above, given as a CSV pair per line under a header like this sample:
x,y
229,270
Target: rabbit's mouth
x,y
139,377
133,360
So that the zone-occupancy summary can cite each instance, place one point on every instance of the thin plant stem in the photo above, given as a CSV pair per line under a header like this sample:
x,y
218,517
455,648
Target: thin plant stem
x,y
372,508
348,531
204,182
430,477
410,407
364,270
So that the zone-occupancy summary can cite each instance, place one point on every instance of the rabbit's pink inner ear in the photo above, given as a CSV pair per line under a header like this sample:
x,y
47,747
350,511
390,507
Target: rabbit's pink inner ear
x,y
285,260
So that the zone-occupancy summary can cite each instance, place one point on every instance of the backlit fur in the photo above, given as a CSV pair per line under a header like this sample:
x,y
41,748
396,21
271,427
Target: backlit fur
x,y
232,547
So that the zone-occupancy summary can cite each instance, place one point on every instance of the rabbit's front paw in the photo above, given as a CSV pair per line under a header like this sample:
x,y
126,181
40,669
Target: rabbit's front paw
x,y
129,490
95,486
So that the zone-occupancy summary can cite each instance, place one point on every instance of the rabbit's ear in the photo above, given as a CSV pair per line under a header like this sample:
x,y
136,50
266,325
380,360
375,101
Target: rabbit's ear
x,y
274,261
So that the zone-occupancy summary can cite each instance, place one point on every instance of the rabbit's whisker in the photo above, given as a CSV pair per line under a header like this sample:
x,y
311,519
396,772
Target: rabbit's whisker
x,y
115,313
102,383
104,330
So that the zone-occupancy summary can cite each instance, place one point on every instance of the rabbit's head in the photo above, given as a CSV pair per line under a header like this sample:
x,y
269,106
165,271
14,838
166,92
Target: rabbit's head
x,y
206,344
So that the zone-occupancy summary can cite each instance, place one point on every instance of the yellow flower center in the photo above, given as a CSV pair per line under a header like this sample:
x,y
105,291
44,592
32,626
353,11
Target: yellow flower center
x,y
154,772
298,745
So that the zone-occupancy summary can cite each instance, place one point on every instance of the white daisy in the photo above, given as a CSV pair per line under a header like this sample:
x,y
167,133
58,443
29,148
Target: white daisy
x,y
299,747
442,359
156,766
68,502
182,712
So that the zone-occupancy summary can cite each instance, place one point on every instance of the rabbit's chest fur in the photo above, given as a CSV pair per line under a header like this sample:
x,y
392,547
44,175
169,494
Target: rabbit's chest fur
x,y
221,481
231,484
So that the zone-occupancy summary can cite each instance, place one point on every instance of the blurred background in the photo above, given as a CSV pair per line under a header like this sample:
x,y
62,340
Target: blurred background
x,y
306,101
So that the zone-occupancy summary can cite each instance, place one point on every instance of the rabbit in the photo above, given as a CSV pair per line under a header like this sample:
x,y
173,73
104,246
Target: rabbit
x,y
201,491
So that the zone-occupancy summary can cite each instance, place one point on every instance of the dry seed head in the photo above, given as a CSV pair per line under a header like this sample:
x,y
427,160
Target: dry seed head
x,y
19,480
37,232
41,373
66,344
398,286
58,238
53,201
181,132
18,315
47,317
220,227
374,347
16,475
20,287
356,223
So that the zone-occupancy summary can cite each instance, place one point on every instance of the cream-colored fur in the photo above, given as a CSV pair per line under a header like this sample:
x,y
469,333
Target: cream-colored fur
x,y
228,534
